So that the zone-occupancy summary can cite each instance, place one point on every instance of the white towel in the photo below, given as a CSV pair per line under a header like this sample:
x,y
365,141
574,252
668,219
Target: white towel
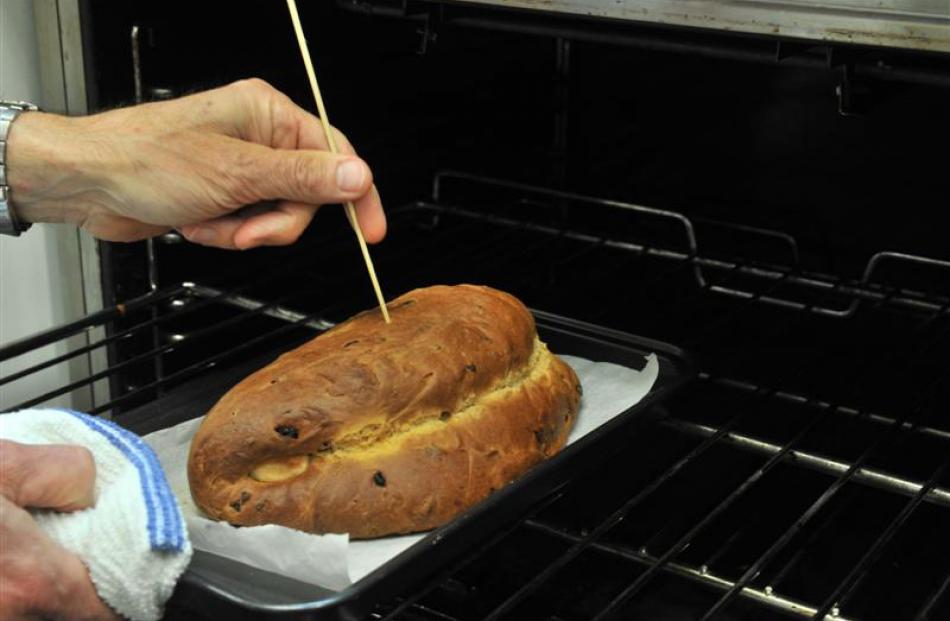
x,y
133,541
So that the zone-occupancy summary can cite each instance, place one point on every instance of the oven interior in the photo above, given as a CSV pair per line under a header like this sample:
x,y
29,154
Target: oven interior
x,y
690,187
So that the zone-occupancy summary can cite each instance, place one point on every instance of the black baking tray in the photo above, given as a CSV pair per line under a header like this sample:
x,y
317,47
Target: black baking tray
x,y
222,588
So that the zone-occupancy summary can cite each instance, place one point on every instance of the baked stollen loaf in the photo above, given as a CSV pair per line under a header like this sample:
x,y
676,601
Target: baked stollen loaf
x,y
374,429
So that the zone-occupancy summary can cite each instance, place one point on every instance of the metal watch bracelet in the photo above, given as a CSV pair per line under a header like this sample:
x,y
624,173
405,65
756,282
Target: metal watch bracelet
x,y
9,223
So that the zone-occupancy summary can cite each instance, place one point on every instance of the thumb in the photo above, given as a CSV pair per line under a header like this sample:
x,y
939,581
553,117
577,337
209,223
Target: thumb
x,y
49,476
303,175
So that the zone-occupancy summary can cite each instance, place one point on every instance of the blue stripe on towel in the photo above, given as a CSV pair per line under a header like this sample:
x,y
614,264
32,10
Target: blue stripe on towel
x,y
165,528
171,533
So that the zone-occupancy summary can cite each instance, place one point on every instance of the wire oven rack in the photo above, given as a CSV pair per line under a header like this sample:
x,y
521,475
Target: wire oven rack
x,y
805,474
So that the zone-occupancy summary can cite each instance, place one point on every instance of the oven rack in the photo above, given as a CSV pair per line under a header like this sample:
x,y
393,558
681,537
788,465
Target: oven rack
x,y
841,300
856,291
296,319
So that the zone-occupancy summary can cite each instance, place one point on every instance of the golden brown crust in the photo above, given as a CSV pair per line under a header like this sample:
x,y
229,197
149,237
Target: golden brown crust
x,y
406,424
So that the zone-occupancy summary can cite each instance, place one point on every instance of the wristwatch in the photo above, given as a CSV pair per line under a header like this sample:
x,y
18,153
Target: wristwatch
x,y
9,223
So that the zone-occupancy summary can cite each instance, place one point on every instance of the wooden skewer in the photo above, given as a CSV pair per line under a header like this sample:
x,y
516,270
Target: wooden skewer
x,y
331,140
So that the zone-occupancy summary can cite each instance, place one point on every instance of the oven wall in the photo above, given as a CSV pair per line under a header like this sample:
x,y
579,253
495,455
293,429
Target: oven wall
x,y
758,144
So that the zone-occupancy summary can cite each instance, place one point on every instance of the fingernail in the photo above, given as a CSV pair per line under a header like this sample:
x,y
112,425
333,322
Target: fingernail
x,y
202,235
349,175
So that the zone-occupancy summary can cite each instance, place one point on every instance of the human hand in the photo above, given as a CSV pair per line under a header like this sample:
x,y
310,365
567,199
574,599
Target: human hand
x,y
39,579
189,164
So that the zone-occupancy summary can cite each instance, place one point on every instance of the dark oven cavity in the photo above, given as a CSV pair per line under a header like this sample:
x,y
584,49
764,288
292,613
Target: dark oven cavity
x,y
709,194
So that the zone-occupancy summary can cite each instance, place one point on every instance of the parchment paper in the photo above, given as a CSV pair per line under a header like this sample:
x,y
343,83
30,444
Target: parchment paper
x,y
332,561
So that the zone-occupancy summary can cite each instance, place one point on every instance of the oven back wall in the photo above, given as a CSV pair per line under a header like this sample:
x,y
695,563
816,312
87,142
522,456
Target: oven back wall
x,y
757,144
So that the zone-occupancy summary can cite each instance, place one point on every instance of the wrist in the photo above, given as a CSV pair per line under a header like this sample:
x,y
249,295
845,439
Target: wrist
x,y
45,169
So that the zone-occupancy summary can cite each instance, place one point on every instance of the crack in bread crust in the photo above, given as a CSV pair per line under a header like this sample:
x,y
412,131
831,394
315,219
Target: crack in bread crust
x,y
361,440
406,425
